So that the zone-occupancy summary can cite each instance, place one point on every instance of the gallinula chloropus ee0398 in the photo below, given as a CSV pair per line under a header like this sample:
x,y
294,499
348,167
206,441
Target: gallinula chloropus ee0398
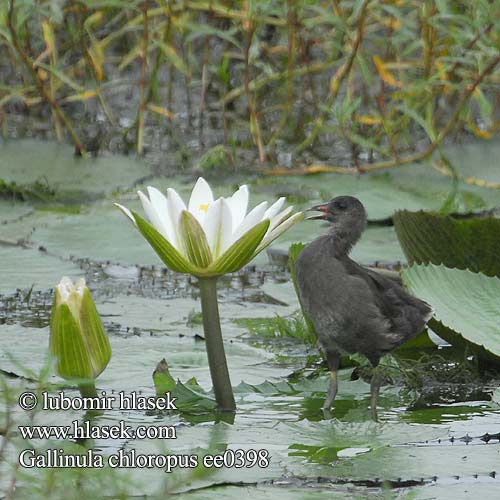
x,y
353,309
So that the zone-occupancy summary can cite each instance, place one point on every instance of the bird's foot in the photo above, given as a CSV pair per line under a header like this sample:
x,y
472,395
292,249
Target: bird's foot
x,y
327,413
332,390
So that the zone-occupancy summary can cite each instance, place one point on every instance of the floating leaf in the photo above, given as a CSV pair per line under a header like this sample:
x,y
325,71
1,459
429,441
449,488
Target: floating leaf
x,y
465,303
191,397
457,243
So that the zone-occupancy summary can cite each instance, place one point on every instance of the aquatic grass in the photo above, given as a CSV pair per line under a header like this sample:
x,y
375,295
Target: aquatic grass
x,y
292,327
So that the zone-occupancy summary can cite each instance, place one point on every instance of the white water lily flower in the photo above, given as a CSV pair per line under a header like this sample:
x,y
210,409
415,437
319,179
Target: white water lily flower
x,y
209,237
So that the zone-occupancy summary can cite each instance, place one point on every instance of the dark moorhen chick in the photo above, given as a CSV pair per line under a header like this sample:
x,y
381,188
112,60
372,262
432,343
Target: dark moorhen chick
x,y
353,309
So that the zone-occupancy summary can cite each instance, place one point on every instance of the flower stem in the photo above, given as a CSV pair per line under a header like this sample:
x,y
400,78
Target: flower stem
x,y
88,390
215,346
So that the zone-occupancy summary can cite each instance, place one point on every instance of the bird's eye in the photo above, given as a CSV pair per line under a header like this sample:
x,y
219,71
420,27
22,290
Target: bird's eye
x,y
340,205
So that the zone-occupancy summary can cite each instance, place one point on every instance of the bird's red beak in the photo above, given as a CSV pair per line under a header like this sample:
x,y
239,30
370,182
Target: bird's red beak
x,y
318,208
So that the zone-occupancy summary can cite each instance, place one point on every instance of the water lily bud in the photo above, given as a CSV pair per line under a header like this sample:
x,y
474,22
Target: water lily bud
x,y
78,340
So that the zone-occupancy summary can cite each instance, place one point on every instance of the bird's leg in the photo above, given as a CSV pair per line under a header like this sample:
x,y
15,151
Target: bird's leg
x,y
333,360
375,384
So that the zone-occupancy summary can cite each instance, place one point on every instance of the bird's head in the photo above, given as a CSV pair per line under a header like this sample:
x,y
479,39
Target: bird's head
x,y
347,217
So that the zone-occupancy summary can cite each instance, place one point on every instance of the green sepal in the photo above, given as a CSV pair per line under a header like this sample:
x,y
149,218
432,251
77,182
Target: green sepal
x,y
195,240
165,250
67,345
94,335
240,252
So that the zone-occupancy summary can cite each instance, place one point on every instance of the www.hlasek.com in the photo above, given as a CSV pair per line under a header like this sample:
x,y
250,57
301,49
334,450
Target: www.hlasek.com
x,y
81,431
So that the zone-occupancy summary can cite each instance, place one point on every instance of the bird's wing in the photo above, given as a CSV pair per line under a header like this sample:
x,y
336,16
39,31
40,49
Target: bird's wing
x,y
407,314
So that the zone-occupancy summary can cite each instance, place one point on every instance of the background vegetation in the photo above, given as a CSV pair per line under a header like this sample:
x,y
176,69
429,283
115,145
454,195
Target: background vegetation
x,y
376,83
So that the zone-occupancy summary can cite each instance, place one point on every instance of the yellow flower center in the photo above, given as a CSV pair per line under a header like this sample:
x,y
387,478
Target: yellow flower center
x,y
204,207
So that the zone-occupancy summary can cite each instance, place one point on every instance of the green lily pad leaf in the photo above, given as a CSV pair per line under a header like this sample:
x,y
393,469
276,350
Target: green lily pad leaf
x,y
191,397
195,240
12,211
45,170
23,268
464,244
165,250
240,252
465,303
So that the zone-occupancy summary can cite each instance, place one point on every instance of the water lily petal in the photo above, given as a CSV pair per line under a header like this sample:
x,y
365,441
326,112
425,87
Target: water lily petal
x,y
278,231
253,217
152,214
160,204
274,208
225,237
158,200
280,218
201,199
175,206
212,225
65,288
127,212
238,203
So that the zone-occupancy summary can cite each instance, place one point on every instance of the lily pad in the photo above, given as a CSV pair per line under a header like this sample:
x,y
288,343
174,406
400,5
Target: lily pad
x,y
464,244
416,186
478,159
56,169
465,303
99,233
11,211
23,268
